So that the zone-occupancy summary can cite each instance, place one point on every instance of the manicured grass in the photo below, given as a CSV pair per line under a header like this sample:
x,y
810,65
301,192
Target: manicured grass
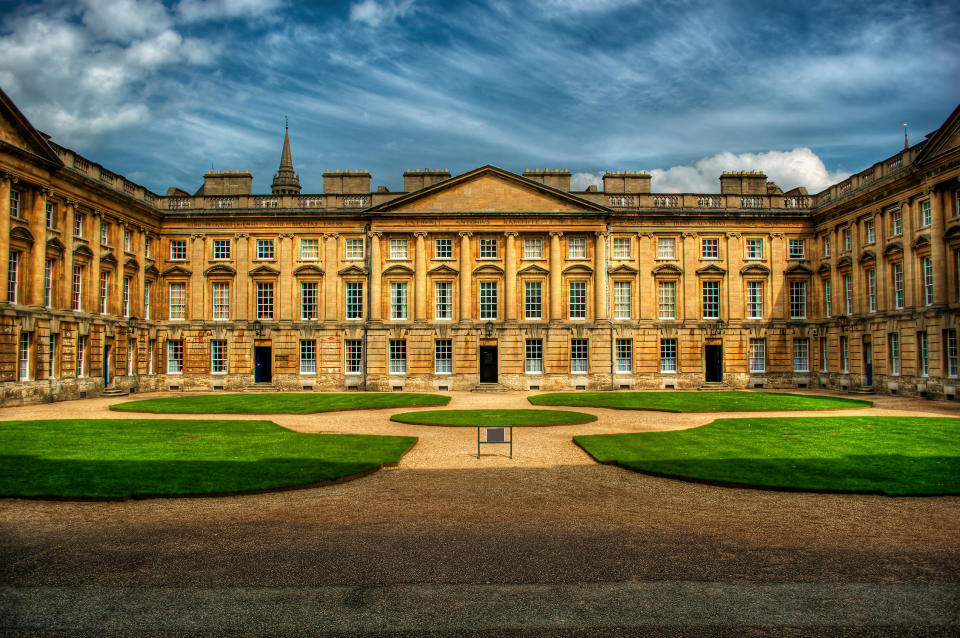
x,y
891,455
280,403
697,401
493,416
124,457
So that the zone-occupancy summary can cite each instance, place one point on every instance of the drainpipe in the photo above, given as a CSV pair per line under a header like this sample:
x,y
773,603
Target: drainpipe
x,y
368,261
606,304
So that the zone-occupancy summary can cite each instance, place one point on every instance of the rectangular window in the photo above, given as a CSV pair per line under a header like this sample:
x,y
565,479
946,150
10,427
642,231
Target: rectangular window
x,y
754,249
150,355
622,299
579,353
51,208
81,355
898,286
13,276
126,296
221,249
848,294
178,301
265,249
801,355
354,308
23,358
309,249
398,300
576,248
15,203
443,249
668,355
950,338
870,230
178,250
127,240
353,352
443,356
624,355
174,357
308,300
872,290
488,300
221,301
398,356
927,266
532,300
105,233
896,223
847,243
398,248
844,355
621,248
824,360
77,287
925,213
797,249
711,300
443,300
827,301
578,299
826,245
532,248
53,355
354,248
798,299
923,354
754,300
666,248
709,248
668,299
308,356
218,356
78,224
264,300
893,341
147,289
104,287
758,355
148,247
488,248
533,358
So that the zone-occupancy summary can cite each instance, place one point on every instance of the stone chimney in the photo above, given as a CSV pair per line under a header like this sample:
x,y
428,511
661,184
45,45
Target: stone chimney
x,y
416,178
743,183
346,181
626,182
558,178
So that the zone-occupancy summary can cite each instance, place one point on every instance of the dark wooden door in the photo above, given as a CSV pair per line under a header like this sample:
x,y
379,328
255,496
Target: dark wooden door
x,y
262,369
868,362
713,356
488,364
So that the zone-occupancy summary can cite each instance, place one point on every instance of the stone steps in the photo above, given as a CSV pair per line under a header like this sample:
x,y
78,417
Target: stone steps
x,y
114,392
489,387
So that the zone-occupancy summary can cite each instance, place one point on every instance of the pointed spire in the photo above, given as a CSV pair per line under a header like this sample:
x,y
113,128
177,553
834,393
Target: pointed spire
x,y
286,182
906,144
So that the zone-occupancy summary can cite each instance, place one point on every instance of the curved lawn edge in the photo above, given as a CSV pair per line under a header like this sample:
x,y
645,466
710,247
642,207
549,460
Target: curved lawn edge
x,y
384,407
588,418
596,400
278,403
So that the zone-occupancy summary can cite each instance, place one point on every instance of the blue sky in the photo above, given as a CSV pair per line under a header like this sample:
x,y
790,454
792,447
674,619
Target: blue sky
x,y
164,91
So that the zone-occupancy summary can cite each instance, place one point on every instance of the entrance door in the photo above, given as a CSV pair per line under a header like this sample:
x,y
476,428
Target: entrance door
x,y
106,366
488,364
868,362
713,358
262,371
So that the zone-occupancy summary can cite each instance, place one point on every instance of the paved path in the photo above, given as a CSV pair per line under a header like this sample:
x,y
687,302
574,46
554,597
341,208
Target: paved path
x,y
548,542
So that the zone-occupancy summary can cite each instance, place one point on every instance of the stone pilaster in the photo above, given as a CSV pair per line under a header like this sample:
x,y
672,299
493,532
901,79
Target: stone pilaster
x,y
239,301
910,297
733,282
376,276
330,278
285,297
466,274
66,280
38,254
600,277
510,277
197,308
556,264
420,277
937,249
6,182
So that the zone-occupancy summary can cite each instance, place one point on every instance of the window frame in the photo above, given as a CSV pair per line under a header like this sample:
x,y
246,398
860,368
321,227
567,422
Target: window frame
x,y
443,356
221,249
266,251
533,356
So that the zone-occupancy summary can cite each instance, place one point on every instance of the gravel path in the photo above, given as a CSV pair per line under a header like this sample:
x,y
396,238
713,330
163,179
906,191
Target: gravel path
x,y
446,520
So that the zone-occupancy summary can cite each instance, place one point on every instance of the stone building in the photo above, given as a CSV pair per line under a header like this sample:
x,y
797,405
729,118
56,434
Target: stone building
x,y
485,278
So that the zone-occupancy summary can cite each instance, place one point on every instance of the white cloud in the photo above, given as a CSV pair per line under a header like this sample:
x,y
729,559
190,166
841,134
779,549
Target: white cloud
x,y
375,13
124,19
203,10
789,169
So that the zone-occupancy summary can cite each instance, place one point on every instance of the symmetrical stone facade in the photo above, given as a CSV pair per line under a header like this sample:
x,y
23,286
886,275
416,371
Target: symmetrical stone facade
x,y
484,277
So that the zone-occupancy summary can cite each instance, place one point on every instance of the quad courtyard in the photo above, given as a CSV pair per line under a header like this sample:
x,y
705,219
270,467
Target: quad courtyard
x,y
548,542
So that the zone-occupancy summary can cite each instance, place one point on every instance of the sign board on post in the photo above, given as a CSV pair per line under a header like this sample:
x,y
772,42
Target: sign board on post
x,y
492,435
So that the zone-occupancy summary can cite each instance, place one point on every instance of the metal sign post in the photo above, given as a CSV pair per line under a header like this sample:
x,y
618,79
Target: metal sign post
x,y
494,435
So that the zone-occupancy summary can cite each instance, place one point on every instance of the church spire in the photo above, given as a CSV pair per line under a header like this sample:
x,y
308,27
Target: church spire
x,y
286,182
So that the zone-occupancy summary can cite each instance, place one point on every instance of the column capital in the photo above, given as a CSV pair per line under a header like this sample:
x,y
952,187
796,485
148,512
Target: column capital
x,y
737,235
419,233
510,233
466,233
375,233
241,235
777,235
329,235
72,203
286,235
644,234
599,233
10,177
689,233
197,236
97,212
556,233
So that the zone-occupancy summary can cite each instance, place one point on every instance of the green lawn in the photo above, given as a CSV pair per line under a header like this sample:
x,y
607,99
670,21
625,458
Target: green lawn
x,y
892,455
697,401
493,416
124,457
280,403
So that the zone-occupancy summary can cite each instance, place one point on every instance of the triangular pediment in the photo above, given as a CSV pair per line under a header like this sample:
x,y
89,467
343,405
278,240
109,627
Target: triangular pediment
x,y
220,269
868,255
533,269
308,269
108,258
16,131
797,269
263,270
577,269
177,271
55,245
352,270
83,251
755,269
488,190
443,269
623,269
824,268
712,269
945,138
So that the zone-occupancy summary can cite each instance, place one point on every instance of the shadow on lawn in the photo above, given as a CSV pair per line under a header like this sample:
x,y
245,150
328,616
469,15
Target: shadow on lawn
x,y
36,477
891,474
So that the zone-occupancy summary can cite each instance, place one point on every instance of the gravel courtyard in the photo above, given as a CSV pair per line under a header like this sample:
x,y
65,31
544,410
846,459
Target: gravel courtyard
x,y
546,543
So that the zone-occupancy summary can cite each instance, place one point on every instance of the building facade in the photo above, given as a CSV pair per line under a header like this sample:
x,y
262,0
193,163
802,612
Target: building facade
x,y
483,278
